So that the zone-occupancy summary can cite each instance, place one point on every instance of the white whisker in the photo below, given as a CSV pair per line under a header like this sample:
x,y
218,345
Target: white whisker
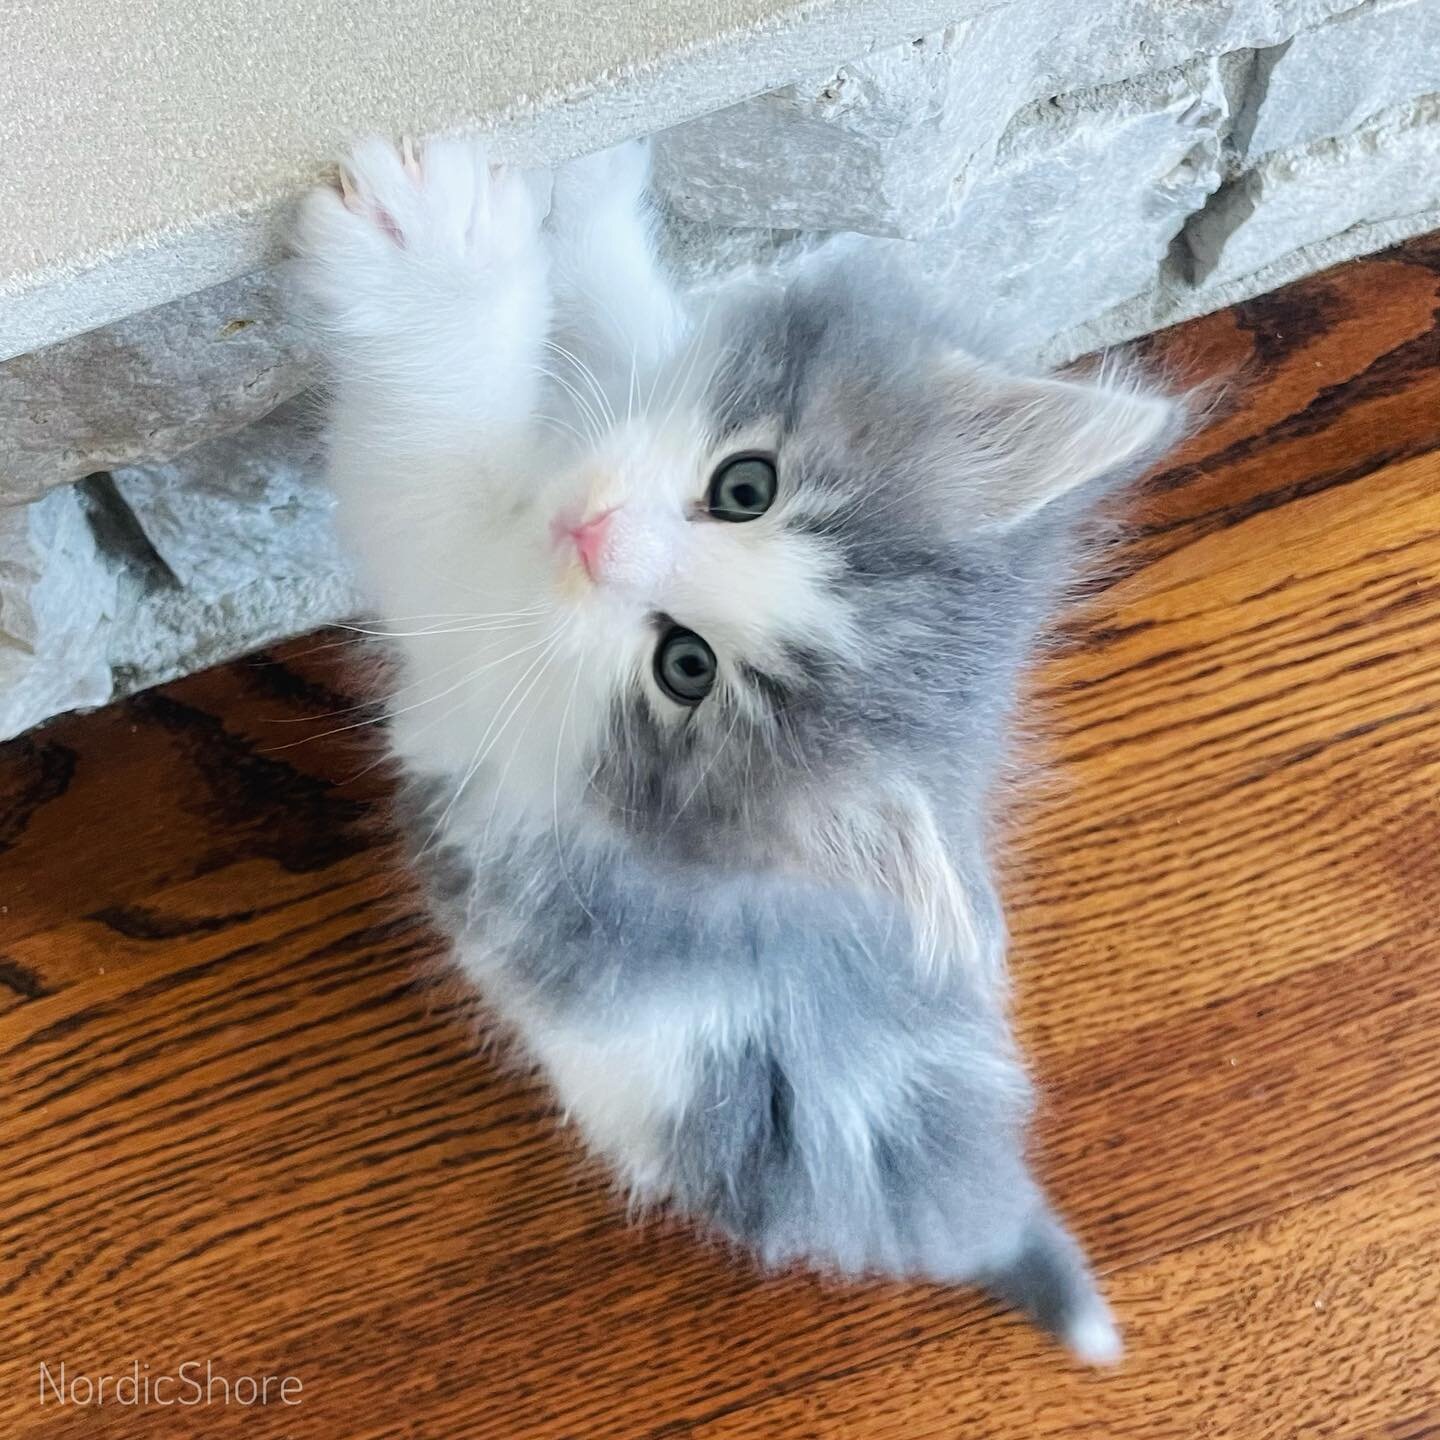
x,y
589,416
390,714
587,375
695,789
484,745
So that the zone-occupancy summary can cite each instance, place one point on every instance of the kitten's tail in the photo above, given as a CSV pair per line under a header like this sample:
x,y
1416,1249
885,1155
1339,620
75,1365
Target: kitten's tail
x,y
1051,1282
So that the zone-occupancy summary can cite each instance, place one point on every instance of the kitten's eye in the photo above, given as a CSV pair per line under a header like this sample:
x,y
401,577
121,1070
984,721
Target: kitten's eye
x,y
684,666
743,488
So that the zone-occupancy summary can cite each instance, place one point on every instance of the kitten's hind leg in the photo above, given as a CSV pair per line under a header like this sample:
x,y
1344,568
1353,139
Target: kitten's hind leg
x,y
613,300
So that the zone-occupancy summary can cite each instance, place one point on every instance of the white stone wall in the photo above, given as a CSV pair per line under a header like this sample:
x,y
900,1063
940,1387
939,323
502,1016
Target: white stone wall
x,y
1091,171
1084,172
147,572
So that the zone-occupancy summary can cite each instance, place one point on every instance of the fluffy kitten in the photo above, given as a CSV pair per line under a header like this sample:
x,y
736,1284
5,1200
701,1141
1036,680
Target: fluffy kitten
x,y
709,626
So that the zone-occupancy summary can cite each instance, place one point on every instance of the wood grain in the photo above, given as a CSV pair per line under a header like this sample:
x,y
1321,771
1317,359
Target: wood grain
x,y
250,1118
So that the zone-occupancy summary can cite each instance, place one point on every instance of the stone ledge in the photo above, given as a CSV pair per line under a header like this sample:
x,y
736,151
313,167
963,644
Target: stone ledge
x,y
1335,78
1173,298
1386,171
903,134
129,206
149,386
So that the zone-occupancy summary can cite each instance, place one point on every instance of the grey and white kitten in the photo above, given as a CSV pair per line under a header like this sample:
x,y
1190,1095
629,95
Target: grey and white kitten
x,y
709,625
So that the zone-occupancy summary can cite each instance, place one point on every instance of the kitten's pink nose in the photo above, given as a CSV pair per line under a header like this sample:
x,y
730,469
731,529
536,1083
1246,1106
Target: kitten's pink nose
x,y
589,538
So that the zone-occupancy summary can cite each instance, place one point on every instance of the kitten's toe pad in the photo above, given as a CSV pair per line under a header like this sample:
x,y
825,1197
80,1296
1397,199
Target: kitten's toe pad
x,y
440,201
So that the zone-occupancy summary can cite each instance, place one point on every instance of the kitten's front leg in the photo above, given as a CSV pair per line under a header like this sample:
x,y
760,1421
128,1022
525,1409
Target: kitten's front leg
x,y
429,282
613,300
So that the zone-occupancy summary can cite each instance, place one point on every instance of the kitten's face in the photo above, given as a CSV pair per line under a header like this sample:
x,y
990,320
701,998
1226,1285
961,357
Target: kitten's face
x,y
694,574
790,602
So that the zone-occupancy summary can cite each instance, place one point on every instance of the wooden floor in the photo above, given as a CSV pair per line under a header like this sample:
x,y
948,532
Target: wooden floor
x,y
245,1119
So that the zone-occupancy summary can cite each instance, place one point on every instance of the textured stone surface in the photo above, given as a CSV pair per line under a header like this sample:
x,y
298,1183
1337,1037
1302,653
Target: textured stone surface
x,y
1386,171
1095,42
238,507
883,146
1328,80
889,145
163,569
58,598
149,386
1087,193
243,548
1172,298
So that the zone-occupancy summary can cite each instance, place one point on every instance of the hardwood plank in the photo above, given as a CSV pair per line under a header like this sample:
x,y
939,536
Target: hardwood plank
x,y
1253,728
1270,1332
104,808
252,1118
1311,387
293,1159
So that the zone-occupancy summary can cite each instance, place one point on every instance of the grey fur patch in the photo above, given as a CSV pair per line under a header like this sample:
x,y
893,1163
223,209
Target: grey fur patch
x,y
850,1115
844,363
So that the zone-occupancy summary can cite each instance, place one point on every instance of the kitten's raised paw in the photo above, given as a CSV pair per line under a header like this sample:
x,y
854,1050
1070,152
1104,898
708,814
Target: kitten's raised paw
x,y
412,225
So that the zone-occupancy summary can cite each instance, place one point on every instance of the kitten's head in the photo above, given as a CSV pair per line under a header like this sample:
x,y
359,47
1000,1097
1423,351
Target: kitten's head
x,y
796,590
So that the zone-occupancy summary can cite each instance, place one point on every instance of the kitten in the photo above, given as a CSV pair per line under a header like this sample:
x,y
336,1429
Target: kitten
x,y
709,628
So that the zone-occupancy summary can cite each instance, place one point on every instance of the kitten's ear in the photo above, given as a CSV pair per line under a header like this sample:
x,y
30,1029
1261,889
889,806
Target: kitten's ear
x,y
1012,444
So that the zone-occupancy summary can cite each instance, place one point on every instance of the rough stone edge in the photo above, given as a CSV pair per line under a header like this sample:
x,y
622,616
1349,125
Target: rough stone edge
x,y
211,637
1172,301
312,606
154,427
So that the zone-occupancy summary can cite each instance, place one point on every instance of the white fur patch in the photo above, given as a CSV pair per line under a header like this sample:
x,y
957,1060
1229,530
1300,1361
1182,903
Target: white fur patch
x,y
622,1092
